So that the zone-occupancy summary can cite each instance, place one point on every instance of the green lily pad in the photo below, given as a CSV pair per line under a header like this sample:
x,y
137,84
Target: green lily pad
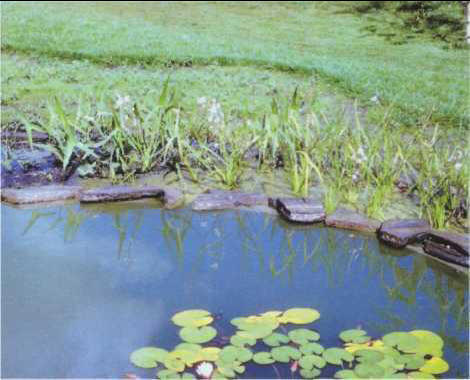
x,y
299,316
369,370
192,318
420,375
198,334
399,375
187,357
188,375
242,340
188,347
255,322
312,348
354,336
216,375
210,354
435,366
346,374
258,332
310,361
174,363
404,341
309,374
369,356
229,369
263,358
303,336
148,357
283,354
428,343
230,354
336,356
276,339
411,361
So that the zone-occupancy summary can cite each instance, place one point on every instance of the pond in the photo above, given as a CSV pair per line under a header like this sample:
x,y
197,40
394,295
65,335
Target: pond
x,y
83,287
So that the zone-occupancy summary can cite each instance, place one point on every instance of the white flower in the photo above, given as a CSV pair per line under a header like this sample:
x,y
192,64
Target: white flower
x,y
121,101
205,370
201,101
458,166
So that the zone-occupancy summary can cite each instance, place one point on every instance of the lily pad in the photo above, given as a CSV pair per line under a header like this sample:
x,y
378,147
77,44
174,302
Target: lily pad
x,y
354,336
404,341
187,357
369,370
192,318
309,374
242,340
257,332
148,357
336,356
230,354
299,316
369,356
272,314
198,334
210,354
276,339
263,358
229,369
312,348
255,322
411,361
435,366
428,343
346,374
303,336
174,363
283,354
310,361
420,375
188,347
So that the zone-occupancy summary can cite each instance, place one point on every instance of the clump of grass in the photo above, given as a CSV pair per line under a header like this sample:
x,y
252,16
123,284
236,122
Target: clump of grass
x,y
352,163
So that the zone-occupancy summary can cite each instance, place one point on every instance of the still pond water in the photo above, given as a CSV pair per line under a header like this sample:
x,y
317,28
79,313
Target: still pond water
x,y
82,287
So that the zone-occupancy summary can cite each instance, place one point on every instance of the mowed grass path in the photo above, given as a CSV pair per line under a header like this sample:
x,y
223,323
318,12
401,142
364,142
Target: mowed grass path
x,y
418,80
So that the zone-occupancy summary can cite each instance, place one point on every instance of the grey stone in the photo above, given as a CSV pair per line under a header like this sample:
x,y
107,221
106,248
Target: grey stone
x,y
299,210
452,242
445,252
173,197
222,200
351,220
120,193
26,167
40,194
399,233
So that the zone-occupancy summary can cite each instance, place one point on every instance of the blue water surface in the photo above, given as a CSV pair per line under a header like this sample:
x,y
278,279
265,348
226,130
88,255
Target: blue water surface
x,y
82,287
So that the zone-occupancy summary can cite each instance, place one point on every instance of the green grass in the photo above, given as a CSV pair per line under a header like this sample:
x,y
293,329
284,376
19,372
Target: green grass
x,y
294,81
419,78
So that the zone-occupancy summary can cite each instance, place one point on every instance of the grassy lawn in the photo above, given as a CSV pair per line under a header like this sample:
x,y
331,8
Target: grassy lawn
x,y
415,81
118,87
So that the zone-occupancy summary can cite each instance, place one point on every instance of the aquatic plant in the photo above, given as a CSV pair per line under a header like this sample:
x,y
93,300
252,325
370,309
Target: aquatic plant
x,y
272,338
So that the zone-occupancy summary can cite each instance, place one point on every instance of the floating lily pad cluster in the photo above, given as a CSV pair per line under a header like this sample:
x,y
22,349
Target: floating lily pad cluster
x,y
416,354
272,338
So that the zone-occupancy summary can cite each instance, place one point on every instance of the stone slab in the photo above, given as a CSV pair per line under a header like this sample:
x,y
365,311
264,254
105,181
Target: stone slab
x,y
401,232
351,220
120,193
299,210
40,194
223,200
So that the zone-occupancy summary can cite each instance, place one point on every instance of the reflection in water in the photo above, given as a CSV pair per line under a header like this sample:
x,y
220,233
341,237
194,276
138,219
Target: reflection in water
x,y
283,252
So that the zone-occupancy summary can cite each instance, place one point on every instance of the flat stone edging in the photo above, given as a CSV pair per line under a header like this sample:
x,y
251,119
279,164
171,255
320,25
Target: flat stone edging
x,y
445,246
